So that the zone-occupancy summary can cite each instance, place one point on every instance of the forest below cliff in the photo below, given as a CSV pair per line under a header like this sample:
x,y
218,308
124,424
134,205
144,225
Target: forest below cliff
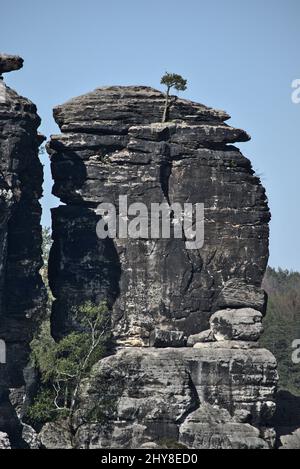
x,y
282,324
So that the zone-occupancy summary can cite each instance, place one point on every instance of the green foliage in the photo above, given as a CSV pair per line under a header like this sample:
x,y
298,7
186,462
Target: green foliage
x,y
173,80
65,364
282,324
43,349
43,410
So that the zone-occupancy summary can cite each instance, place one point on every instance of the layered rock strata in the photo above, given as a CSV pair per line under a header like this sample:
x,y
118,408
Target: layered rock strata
x,y
22,293
208,397
186,321
112,145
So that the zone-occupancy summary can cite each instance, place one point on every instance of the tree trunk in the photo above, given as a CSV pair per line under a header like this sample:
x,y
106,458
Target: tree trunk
x,y
166,109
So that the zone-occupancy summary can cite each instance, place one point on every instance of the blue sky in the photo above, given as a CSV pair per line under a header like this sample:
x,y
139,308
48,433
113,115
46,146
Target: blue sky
x,y
238,55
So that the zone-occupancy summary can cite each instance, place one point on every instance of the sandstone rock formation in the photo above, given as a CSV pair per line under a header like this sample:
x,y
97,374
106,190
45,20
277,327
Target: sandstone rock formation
x,y
8,63
112,144
186,322
237,324
21,290
146,394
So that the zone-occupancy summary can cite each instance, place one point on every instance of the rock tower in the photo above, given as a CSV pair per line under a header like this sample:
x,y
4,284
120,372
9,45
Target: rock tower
x,y
22,294
186,322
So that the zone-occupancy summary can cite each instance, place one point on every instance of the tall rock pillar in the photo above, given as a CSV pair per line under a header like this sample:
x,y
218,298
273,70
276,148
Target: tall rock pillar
x,y
22,293
188,367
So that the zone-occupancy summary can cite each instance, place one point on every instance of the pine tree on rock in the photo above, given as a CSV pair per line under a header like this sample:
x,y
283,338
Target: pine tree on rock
x,y
171,80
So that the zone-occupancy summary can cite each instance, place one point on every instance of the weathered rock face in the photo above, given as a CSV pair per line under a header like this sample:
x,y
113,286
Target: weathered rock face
x,y
191,370
56,435
111,145
8,63
21,290
237,324
200,397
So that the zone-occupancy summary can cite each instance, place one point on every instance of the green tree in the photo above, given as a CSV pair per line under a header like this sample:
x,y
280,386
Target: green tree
x,y
171,80
65,364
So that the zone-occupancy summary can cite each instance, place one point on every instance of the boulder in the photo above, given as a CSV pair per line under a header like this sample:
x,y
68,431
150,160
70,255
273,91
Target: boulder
x,y
237,324
56,435
9,63
163,338
30,437
237,293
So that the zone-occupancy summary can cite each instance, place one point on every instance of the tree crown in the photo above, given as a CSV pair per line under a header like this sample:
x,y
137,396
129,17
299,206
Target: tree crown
x,y
173,80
